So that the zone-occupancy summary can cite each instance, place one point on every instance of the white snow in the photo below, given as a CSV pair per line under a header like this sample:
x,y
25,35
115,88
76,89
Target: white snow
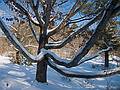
x,y
18,77
18,45
1,12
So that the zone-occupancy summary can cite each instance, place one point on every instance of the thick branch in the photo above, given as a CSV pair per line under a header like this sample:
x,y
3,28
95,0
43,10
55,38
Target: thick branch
x,y
64,62
38,17
102,24
73,35
24,11
70,14
18,45
86,75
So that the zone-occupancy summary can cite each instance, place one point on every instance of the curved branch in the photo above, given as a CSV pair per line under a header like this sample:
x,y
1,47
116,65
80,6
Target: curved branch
x,y
25,12
86,75
102,24
73,35
70,14
18,45
65,62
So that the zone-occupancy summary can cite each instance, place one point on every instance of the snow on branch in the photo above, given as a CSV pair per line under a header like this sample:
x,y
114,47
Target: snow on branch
x,y
65,62
102,24
21,9
71,13
59,44
94,56
89,44
86,75
18,45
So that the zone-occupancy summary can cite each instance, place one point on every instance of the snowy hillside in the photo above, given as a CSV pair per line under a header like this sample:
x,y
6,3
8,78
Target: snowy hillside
x,y
18,77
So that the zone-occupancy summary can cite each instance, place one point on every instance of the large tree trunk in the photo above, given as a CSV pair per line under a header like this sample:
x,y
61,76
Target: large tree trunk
x,y
41,73
106,59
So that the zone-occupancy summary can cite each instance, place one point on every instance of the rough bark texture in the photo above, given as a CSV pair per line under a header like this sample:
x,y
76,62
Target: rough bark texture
x,y
41,73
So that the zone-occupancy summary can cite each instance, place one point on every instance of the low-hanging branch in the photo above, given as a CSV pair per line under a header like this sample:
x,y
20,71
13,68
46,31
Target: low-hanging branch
x,y
18,45
64,62
106,16
102,24
86,75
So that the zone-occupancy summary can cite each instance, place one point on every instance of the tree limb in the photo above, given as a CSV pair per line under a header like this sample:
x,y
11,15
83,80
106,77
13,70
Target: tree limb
x,y
73,35
64,62
38,17
18,45
24,11
70,14
33,32
86,75
102,24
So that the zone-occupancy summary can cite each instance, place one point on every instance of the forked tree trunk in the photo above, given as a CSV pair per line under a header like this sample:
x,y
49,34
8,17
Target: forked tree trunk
x,y
41,73
106,58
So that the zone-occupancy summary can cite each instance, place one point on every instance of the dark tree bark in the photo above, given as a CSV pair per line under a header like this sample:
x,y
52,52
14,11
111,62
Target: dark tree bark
x,y
43,22
106,58
41,73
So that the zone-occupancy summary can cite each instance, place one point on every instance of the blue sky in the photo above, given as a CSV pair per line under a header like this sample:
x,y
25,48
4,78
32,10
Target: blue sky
x,y
5,11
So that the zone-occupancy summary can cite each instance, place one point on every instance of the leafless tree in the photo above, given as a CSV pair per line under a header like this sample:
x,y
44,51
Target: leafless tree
x,y
40,13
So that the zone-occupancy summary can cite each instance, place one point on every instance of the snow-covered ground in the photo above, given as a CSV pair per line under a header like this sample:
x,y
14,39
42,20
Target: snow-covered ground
x,y
18,77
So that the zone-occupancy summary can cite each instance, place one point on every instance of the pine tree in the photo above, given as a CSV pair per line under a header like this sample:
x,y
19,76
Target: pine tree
x,y
109,38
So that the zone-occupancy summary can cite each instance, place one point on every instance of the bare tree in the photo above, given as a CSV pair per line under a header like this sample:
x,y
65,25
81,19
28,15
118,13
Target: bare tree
x,y
41,13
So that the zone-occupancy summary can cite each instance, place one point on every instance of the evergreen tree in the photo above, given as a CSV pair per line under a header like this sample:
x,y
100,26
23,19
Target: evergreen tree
x,y
109,38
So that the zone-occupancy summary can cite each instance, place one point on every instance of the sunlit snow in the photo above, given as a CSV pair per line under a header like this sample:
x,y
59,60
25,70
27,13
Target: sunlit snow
x,y
21,77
